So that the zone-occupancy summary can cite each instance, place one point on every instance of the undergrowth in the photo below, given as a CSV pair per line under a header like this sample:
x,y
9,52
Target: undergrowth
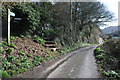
x,y
16,63
107,59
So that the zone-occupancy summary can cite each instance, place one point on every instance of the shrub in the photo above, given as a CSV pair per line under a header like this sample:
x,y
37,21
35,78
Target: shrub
x,y
107,56
98,51
100,56
113,47
33,17
29,14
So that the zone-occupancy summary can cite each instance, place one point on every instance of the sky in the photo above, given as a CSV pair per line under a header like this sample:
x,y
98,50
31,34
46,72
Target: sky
x,y
111,5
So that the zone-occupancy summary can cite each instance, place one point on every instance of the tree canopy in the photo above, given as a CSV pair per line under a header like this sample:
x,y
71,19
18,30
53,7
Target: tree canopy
x,y
69,21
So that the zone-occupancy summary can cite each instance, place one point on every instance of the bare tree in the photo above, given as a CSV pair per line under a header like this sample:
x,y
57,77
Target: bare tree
x,y
72,17
92,13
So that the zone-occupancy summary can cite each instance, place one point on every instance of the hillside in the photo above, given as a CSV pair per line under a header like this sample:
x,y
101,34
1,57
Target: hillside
x,y
25,53
22,54
110,30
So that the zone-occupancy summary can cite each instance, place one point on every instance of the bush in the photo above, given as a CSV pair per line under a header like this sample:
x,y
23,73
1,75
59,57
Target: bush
x,y
33,17
30,14
100,56
113,47
98,51
107,56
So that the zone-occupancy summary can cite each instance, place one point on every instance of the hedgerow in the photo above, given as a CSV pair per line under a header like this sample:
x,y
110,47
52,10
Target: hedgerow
x,y
107,58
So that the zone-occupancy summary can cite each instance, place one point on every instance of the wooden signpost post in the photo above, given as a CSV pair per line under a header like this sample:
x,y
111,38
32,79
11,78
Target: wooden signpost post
x,y
9,14
8,37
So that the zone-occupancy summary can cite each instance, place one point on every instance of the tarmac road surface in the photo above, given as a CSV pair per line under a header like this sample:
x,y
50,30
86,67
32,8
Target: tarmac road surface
x,y
80,65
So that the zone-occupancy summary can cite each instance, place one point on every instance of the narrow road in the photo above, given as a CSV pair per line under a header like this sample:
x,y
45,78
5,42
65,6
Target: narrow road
x,y
80,65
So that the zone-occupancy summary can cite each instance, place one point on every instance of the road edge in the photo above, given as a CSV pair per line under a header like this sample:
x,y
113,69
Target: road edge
x,y
45,72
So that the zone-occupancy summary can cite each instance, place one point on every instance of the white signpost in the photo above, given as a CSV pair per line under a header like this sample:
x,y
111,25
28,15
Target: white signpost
x,y
9,14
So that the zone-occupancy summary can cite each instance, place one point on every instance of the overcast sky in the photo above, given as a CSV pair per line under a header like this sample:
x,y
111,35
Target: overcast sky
x,y
112,5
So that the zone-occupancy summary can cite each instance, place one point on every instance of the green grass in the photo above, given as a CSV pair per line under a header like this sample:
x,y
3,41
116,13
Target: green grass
x,y
74,47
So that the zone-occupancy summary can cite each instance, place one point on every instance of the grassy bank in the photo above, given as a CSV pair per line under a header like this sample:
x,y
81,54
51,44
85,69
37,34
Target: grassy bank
x,y
24,53
107,56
